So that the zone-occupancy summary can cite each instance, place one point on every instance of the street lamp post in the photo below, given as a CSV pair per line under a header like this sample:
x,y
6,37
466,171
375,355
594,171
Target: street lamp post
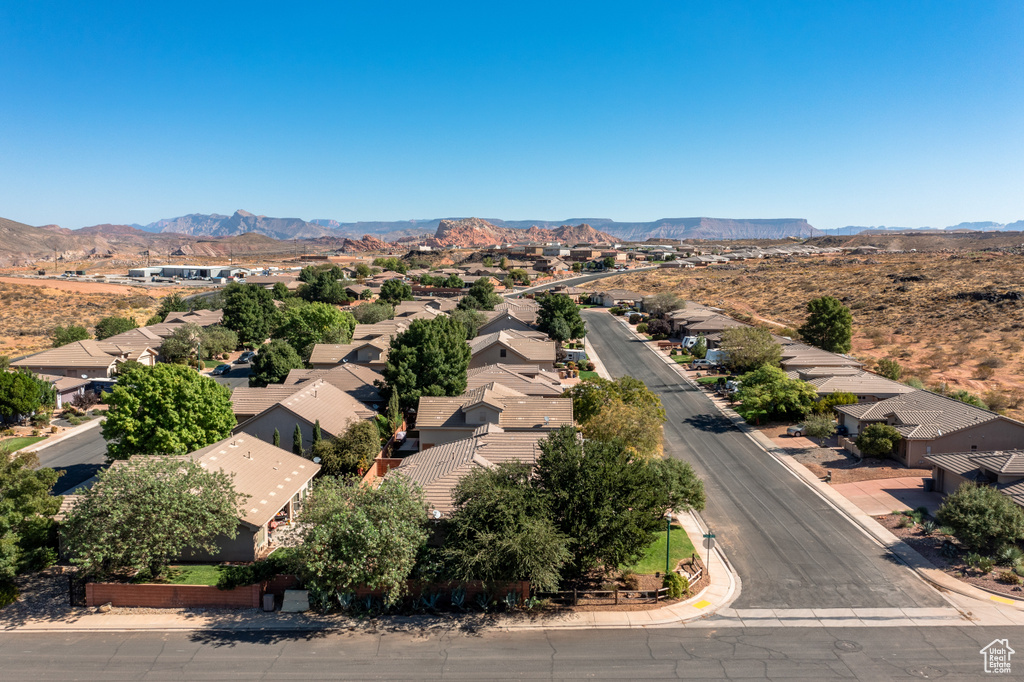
x,y
668,541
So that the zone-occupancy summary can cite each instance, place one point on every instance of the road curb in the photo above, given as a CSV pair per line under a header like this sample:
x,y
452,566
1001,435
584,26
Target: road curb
x,y
70,433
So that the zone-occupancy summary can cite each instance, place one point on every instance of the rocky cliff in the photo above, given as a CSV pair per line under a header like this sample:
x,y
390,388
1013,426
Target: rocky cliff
x,y
216,225
470,232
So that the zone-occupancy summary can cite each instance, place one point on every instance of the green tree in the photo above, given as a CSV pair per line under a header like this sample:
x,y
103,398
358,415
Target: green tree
x,y
392,264
318,435
372,313
699,349
249,311
280,292
577,267
297,440
363,270
638,427
981,517
968,397
606,502
429,358
145,515
502,530
519,276
454,282
182,345
303,326
608,262
395,414
890,369
360,536
503,264
23,394
272,364
554,307
277,438
154,319
324,287
481,296
767,392
878,440
26,508
111,326
684,488
819,425
747,348
590,397
172,304
663,303
828,404
471,321
350,453
394,291
217,340
829,325
62,336
163,410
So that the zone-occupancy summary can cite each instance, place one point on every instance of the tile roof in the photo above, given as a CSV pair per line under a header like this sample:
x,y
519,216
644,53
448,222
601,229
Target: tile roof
x,y
203,318
531,348
249,401
535,383
1003,462
354,379
861,382
88,353
922,414
438,470
387,328
515,410
320,401
334,353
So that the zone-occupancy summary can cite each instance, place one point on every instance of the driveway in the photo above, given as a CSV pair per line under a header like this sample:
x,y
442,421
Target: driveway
x,y
886,495
790,548
80,456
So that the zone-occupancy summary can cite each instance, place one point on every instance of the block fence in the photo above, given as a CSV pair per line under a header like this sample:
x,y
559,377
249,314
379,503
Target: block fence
x,y
172,596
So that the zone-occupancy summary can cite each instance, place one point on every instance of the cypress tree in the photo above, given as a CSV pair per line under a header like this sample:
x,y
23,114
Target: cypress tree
x,y
277,438
297,440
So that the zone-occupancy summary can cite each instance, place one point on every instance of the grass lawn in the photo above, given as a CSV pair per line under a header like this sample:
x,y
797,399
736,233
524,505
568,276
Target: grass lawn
x,y
654,558
705,381
16,444
588,375
195,574
683,359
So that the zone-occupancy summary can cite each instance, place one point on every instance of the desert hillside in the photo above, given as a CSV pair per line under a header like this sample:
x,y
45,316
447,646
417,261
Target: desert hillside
x,y
954,319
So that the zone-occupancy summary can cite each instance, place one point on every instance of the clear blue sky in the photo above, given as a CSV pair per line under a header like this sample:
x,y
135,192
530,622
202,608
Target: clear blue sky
x,y
863,113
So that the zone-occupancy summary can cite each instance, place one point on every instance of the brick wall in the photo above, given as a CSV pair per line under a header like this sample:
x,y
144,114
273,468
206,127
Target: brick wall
x,y
171,596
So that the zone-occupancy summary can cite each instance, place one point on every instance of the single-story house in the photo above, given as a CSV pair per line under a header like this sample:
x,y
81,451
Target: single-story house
x,y
66,388
373,352
867,386
618,297
359,381
527,379
934,424
444,419
204,318
312,402
438,470
497,321
89,359
1003,469
512,348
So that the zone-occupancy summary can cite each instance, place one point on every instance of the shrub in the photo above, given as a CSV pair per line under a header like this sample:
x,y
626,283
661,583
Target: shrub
x,y
929,527
878,440
630,580
1010,555
1009,578
8,594
677,585
986,564
914,382
981,517
984,372
905,522
53,429
972,559
819,426
590,366
642,327
890,369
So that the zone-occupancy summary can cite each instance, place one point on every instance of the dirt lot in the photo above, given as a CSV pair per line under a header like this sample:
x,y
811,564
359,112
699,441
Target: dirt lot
x,y
930,547
945,317
30,309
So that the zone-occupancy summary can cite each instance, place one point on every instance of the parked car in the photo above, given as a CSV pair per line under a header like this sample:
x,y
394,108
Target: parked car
x,y
701,364
245,358
220,369
842,430
794,431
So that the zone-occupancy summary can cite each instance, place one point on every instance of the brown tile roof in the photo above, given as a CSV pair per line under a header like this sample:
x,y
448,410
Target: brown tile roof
x,y
515,410
204,318
356,380
535,383
387,328
249,401
530,348
860,383
714,323
1009,462
438,470
922,414
319,401
88,353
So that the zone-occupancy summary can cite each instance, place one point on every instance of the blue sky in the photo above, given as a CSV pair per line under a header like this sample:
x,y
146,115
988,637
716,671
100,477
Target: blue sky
x,y
863,113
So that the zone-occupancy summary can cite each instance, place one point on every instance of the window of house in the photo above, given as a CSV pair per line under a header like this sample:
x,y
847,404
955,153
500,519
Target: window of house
x,y
974,447
502,352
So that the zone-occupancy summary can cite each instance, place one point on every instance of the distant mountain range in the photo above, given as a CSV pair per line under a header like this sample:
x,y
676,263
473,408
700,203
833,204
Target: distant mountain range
x,y
983,226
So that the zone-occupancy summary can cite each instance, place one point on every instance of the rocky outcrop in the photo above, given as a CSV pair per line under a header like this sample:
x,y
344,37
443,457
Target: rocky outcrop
x,y
366,243
475,232
216,225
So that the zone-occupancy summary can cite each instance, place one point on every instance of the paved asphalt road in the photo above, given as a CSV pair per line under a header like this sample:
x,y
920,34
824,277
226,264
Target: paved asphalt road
x,y
873,654
80,456
789,547
238,376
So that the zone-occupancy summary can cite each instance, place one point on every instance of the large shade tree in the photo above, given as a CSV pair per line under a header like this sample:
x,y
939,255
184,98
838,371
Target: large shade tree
x,y
428,358
249,311
768,393
303,325
747,348
272,364
166,409
26,508
829,325
113,325
23,394
560,307
143,515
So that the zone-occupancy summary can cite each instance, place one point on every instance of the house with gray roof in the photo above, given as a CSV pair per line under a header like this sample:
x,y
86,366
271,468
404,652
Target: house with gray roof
x,y
527,379
88,359
512,347
932,424
1001,469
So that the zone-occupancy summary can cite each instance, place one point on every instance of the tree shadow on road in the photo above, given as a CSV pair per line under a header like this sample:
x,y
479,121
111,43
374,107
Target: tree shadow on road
x,y
709,423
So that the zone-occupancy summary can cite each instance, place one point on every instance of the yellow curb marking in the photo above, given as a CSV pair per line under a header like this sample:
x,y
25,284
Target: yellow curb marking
x,y
1002,600
702,604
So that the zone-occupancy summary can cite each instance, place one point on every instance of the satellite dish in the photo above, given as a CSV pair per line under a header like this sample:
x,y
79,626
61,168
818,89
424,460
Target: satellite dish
x,y
85,376
437,514
316,460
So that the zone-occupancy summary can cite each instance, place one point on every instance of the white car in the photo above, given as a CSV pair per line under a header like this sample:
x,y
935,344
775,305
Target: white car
x,y
795,431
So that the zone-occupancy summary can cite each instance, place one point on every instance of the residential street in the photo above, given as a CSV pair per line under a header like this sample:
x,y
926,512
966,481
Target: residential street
x,y
81,456
729,654
790,548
